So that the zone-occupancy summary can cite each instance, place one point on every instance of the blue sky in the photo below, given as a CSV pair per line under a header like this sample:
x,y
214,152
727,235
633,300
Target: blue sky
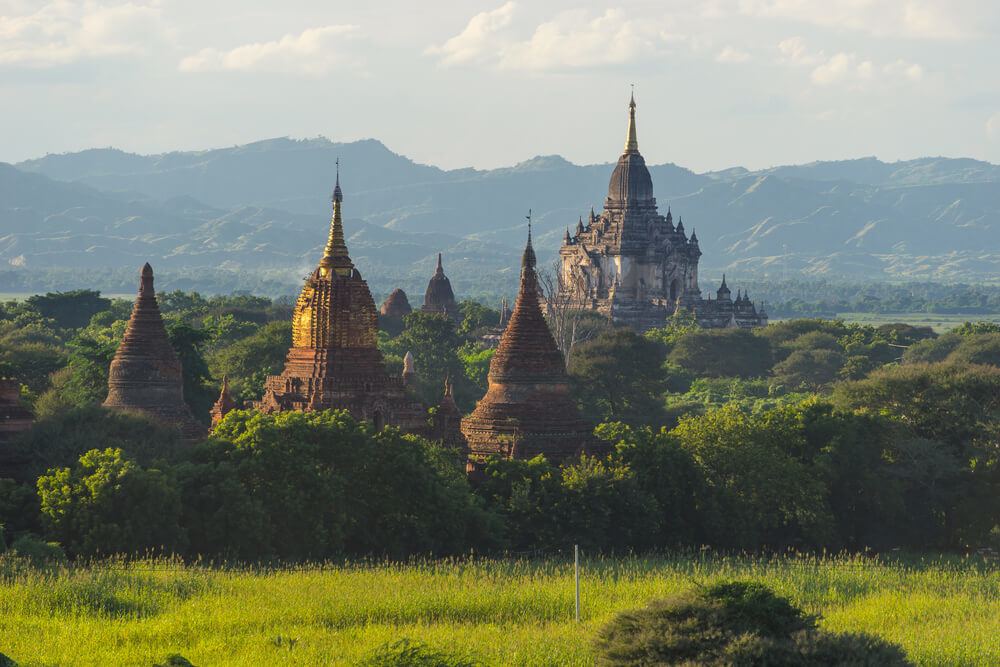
x,y
485,84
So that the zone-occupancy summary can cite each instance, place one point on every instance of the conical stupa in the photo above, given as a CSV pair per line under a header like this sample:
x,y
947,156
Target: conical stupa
x,y
528,409
145,374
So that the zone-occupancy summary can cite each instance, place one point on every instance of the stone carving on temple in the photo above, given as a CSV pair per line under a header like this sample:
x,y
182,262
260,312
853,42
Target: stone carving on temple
x,y
633,265
528,409
334,361
145,375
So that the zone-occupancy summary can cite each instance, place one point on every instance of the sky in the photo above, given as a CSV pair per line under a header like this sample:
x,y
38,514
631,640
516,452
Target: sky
x,y
718,83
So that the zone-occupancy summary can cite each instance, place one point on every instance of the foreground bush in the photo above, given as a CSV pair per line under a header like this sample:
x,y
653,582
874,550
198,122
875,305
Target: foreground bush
x,y
733,623
405,653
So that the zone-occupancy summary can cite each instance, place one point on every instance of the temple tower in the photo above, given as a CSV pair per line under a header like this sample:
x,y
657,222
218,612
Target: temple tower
x,y
528,409
632,264
334,362
396,305
439,297
145,374
223,405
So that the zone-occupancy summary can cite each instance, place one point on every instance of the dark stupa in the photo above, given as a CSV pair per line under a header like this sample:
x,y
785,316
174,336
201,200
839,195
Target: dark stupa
x,y
439,297
145,375
527,409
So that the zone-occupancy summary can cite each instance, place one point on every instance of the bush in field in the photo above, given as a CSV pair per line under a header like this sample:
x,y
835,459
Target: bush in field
x,y
405,653
37,551
108,504
732,623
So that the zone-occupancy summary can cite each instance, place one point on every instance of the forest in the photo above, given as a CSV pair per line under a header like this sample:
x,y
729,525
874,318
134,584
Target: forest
x,y
808,434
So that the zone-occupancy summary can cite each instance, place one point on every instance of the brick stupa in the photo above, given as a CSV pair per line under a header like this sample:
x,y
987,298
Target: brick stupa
x,y
439,297
528,409
396,305
334,362
145,375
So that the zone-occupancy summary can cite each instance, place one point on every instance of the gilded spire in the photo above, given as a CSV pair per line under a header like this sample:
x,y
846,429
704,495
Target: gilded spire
x,y
335,255
631,143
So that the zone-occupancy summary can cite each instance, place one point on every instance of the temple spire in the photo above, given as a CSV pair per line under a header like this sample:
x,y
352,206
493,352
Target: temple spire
x,y
335,255
631,143
528,259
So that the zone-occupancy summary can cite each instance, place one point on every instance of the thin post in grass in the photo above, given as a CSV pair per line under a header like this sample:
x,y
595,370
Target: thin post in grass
x,y
576,573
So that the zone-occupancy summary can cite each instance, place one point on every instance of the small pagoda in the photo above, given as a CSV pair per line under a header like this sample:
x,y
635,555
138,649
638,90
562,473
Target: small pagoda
x,y
439,297
334,361
145,374
396,305
528,409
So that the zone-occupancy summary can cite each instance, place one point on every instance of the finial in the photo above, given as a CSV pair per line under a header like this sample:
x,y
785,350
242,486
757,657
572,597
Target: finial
x,y
631,142
146,280
439,268
528,259
335,256
338,196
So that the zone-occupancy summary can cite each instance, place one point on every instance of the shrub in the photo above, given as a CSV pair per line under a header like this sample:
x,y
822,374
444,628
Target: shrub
x,y
38,552
732,623
405,653
6,662
173,660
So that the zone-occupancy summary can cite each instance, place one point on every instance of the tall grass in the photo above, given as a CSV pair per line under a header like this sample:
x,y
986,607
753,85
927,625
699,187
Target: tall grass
x,y
943,611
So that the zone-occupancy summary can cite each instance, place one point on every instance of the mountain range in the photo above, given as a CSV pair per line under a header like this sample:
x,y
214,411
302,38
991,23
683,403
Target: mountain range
x,y
264,208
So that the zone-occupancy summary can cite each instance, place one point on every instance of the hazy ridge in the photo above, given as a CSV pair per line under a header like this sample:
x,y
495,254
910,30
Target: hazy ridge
x,y
265,207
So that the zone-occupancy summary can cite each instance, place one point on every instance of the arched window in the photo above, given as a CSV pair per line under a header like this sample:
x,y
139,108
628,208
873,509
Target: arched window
x,y
674,289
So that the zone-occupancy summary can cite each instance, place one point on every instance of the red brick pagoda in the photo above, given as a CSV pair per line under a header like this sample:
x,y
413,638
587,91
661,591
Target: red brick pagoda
x,y
145,375
334,362
527,409
439,297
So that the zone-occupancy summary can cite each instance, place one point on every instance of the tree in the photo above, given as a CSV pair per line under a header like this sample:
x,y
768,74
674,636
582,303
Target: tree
x,y
108,504
70,310
565,311
723,353
761,492
957,406
199,392
434,343
476,318
618,377
327,485
809,368
248,361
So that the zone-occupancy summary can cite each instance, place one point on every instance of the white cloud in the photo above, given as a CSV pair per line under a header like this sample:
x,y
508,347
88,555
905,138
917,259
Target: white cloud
x,y
312,52
478,40
993,126
915,19
569,40
794,51
903,69
841,67
578,39
732,55
844,68
60,33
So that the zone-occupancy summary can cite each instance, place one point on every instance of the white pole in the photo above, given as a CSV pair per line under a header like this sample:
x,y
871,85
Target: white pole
x,y
576,569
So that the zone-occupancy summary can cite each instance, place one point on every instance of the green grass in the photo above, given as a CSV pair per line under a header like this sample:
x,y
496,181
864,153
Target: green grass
x,y
943,611
940,323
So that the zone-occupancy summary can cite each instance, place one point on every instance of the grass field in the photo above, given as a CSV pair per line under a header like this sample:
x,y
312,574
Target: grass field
x,y
942,611
940,323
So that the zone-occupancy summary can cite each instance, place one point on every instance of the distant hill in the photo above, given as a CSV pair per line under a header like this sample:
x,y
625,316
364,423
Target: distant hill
x,y
265,206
